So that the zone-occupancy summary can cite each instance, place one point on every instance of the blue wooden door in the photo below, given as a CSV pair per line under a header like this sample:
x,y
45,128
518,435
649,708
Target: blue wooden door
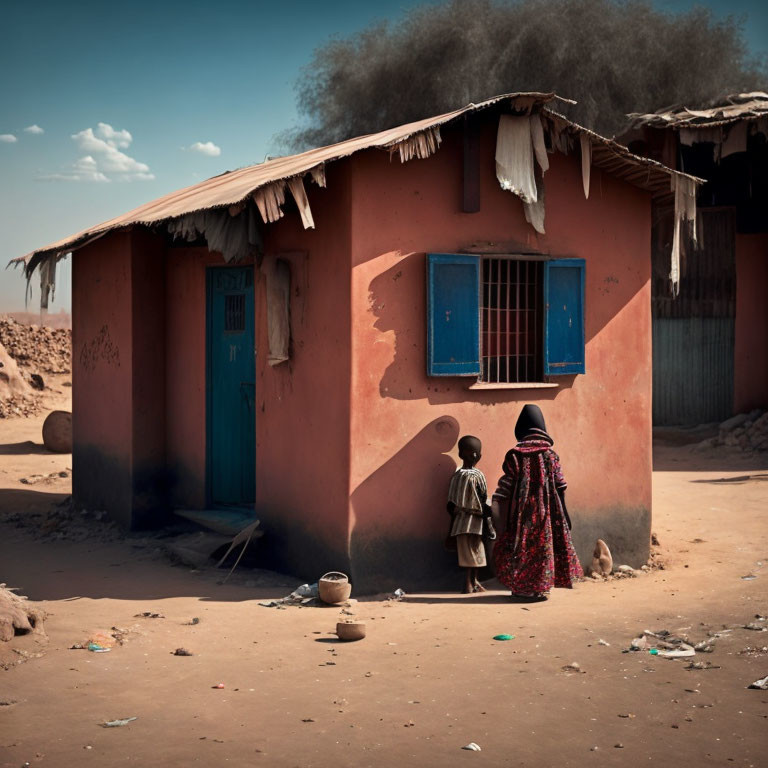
x,y
231,387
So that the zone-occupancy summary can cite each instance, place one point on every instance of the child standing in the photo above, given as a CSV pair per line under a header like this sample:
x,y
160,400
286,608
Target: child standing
x,y
467,495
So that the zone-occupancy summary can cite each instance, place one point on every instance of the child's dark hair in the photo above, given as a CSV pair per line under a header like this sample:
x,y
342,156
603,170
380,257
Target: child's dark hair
x,y
470,443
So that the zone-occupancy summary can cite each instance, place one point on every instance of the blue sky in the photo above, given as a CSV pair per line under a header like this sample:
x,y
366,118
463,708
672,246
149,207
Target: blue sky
x,y
155,96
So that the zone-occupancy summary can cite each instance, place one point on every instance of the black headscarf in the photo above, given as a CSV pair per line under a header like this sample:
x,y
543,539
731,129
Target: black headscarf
x,y
530,422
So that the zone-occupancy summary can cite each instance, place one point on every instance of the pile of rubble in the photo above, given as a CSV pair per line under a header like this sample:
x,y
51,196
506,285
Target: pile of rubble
x,y
746,431
38,349
63,522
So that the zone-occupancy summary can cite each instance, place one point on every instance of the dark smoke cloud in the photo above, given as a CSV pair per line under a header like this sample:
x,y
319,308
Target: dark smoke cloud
x,y
612,57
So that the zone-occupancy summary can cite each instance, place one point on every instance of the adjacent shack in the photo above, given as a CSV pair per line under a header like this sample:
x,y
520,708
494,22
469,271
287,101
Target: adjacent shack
x,y
710,342
310,336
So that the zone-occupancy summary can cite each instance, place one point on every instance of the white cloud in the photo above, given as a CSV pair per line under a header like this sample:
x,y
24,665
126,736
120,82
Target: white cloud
x,y
104,161
114,138
206,148
36,129
8,138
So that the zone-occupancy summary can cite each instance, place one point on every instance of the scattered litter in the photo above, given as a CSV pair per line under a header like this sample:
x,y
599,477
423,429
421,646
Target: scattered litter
x,y
654,651
306,594
603,642
626,715
749,577
307,720
218,685
755,627
503,637
192,622
705,646
618,746
96,648
118,723
702,665
148,615
182,652
638,644
574,666
472,747
683,651
398,594
761,684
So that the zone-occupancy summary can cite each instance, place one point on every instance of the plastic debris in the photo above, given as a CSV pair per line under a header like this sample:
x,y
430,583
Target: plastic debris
x,y
603,642
305,590
118,723
683,651
654,651
761,684
96,648
148,615
218,685
398,594
472,747
192,622
574,666
182,652
638,644
755,627
701,665
503,637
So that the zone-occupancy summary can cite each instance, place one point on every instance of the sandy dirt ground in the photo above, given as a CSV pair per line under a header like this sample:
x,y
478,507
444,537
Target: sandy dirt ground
x,y
428,679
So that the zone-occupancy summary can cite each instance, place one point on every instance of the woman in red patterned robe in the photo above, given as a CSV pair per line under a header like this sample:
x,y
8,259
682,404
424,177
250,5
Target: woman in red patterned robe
x,y
535,553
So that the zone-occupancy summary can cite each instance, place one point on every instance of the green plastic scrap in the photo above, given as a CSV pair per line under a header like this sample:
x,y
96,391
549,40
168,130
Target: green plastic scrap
x,y
653,652
503,637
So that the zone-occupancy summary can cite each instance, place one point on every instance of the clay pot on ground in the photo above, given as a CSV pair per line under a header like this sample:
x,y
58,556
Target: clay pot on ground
x,y
334,587
350,630
57,432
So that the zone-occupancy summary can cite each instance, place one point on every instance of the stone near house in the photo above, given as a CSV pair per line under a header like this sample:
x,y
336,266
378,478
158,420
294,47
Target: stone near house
x,y
57,432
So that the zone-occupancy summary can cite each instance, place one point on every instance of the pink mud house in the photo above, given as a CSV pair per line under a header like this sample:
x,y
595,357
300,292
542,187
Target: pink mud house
x,y
307,338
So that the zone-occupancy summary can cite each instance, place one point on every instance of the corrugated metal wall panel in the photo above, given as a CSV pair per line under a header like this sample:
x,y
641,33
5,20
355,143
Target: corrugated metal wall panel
x,y
692,369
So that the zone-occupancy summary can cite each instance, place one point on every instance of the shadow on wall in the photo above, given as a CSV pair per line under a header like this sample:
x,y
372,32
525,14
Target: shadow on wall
x,y
397,301
391,546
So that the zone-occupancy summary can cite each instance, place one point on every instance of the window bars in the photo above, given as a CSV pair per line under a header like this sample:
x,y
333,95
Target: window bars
x,y
511,320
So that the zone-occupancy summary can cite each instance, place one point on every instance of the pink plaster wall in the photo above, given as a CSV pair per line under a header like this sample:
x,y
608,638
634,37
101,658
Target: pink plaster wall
x,y
118,377
405,424
185,399
302,406
101,376
750,388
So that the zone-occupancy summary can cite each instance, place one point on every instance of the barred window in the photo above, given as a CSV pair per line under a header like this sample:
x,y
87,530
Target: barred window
x,y
511,320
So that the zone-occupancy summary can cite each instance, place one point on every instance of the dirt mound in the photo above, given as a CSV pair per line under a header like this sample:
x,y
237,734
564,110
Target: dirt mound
x,y
37,349
16,397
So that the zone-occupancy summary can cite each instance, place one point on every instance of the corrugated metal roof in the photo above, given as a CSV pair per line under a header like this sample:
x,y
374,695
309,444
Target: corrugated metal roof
x,y
235,187
738,106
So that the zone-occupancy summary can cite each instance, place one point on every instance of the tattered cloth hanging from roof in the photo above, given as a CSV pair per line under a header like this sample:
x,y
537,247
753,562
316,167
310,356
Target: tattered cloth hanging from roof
x,y
47,281
278,274
519,139
234,237
685,210
270,198
421,145
586,162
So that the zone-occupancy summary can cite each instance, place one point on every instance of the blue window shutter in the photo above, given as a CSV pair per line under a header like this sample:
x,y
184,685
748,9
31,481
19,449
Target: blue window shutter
x,y
564,316
453,315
